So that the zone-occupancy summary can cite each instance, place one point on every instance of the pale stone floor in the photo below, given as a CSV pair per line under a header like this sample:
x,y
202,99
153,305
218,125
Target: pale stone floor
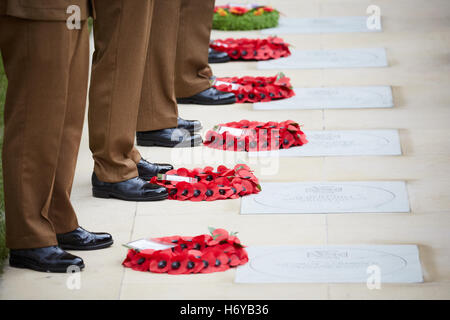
x,y
416,35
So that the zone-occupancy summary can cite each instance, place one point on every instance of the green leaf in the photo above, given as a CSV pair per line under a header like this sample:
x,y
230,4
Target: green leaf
x,y
259,187
211,229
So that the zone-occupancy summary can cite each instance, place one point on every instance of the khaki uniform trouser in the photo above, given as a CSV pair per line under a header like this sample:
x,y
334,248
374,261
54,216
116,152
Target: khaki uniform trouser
x,y
47,69
177,60
122,35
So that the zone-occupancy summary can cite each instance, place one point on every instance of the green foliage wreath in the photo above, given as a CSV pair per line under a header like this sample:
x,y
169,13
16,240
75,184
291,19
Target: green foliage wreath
x,y
239,18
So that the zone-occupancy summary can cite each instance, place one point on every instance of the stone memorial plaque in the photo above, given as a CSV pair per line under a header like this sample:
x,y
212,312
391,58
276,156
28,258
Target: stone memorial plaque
x,y
328,197
320,25
342,143
332,264
333,98
337,58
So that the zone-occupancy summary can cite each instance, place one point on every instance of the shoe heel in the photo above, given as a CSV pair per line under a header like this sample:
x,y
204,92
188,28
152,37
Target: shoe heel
x,y
144,143
100,194
16,264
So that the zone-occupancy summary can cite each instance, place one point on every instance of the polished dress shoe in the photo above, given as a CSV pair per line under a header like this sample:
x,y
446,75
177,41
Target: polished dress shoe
x,y
47,259
210,96
80,239
172,137
215,56
147,170
135,189
190,125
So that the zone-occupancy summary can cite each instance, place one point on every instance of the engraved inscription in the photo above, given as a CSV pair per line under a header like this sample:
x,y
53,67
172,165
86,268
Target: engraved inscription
x,y
328,197
333,97
339,58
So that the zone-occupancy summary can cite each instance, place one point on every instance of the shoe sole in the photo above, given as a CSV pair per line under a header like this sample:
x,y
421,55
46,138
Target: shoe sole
x,y
196,129
30,265
107,195
153,143
222,60
206,103
94,247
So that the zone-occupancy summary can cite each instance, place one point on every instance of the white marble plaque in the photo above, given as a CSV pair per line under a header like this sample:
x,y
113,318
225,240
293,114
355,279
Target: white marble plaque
x,y
320,25
332,264
342,143
337,58
333,98
328,197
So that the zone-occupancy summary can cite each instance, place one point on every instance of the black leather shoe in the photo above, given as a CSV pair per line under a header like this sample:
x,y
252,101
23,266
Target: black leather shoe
x,y
135,189
173,138
190,125
210,96
215,56
147,170
47,259
80,239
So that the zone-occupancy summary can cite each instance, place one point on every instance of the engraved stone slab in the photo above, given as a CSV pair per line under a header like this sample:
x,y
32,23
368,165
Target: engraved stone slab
x,y
337,58
328,197
320,25
331,264
342,143
333,98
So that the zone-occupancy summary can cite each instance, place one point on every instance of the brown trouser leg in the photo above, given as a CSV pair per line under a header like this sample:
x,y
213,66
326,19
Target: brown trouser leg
x,y
46,66
158,107
121,33
192,69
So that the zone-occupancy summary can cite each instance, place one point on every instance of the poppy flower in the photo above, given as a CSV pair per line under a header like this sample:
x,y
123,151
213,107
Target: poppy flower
x,y
183,172
234,54
208,175
160,263
221,261
185,190
129,258
212,192
222,12
218,236
230,142
199,242
234,260
199,192
247,187
258,12
193,262
248,175
208,260
214,261
242,166
141,264
238,10
178,264
288,140
240,144
302,138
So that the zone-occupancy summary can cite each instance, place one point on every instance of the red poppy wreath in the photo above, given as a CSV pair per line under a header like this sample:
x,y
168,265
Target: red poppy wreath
x,y
256,89
206,253
205,184
252,49
255,136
